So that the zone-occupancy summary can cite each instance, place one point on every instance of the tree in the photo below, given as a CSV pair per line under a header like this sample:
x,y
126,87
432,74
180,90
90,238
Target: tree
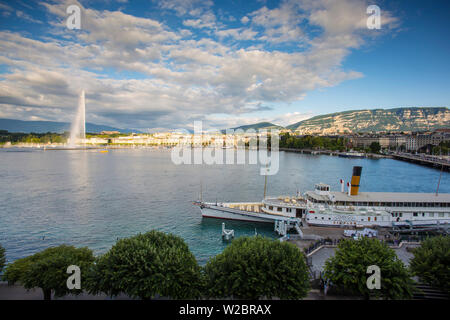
x,y
147,265
48,269
375,147
2,258
431,262
258,267
347,270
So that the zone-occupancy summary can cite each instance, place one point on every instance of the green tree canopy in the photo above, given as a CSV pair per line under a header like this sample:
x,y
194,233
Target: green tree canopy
x,y
258,267
147,265
431,262
347,269
2,258
48,269
308,142
375,147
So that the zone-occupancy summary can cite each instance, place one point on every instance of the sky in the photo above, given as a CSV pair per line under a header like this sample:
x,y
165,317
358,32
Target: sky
x,y
159,65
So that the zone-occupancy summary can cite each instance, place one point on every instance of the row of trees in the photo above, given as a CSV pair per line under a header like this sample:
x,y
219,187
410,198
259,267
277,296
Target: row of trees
x,y
20,137
312,142
347,270
157,264
442,149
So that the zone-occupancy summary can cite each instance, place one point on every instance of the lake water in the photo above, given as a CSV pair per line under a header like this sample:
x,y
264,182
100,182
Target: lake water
x,y
88,198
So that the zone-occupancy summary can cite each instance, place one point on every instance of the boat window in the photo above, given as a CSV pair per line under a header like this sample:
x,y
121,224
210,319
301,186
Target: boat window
x,y
415,214
270,207
441,214
368,219
279,209
401,214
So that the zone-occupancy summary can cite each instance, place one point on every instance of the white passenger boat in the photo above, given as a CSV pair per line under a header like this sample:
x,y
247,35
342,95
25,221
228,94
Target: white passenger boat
x,y
323,207
269,210
383,209
352,154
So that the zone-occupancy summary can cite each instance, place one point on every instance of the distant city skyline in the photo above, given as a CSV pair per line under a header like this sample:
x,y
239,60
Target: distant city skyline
x,y
165,64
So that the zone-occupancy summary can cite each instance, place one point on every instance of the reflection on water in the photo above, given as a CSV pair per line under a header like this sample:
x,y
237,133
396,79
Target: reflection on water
x,y
88,198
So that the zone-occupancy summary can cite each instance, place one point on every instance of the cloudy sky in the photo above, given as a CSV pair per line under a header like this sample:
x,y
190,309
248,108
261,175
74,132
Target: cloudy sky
x,y
164,64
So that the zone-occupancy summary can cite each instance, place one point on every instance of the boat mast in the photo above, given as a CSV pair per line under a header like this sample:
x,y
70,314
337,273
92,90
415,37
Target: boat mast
x,y
439,181
265,184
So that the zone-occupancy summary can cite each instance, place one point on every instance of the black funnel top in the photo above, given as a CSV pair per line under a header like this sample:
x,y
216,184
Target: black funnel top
x,y
357,171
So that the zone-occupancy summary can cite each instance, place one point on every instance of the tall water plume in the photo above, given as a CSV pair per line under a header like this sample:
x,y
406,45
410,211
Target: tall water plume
x,y
78,127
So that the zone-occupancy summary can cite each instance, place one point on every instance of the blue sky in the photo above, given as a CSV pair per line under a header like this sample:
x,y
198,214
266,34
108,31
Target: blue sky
x,y
164,64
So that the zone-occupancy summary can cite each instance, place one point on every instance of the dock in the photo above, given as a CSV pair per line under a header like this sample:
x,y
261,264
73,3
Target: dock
x,y
310,151
433,162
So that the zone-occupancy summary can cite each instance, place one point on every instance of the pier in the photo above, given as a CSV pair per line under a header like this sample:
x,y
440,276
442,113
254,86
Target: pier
x,y
310,151
433,162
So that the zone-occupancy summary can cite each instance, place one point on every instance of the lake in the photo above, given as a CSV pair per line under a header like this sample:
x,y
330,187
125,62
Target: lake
x,y
89,198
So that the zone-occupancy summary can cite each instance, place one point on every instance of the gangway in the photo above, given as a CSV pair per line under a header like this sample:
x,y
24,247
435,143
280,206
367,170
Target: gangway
x,y
282,226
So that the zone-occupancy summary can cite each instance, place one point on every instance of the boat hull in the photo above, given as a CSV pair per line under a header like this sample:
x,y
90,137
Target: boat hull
x,y
345,220
221,214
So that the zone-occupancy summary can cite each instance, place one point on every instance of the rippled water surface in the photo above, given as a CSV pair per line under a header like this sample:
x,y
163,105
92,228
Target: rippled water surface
x,y
88,198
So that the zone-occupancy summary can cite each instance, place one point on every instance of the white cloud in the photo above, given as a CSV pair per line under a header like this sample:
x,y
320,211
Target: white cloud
x,y
25,16
174,76
237,34
207,20
183,7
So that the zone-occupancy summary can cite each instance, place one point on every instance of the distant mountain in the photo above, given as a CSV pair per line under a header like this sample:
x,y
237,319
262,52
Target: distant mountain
x,y
259,125
51,126
376,120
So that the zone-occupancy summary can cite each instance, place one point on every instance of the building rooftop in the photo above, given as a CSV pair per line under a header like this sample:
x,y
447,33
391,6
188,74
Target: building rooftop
x,y
382,197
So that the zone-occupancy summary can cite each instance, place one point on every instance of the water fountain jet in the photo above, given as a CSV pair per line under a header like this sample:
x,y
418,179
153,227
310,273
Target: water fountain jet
x,y
78,127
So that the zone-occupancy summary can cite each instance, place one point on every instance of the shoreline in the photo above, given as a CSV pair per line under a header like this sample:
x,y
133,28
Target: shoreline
x,y
422,160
